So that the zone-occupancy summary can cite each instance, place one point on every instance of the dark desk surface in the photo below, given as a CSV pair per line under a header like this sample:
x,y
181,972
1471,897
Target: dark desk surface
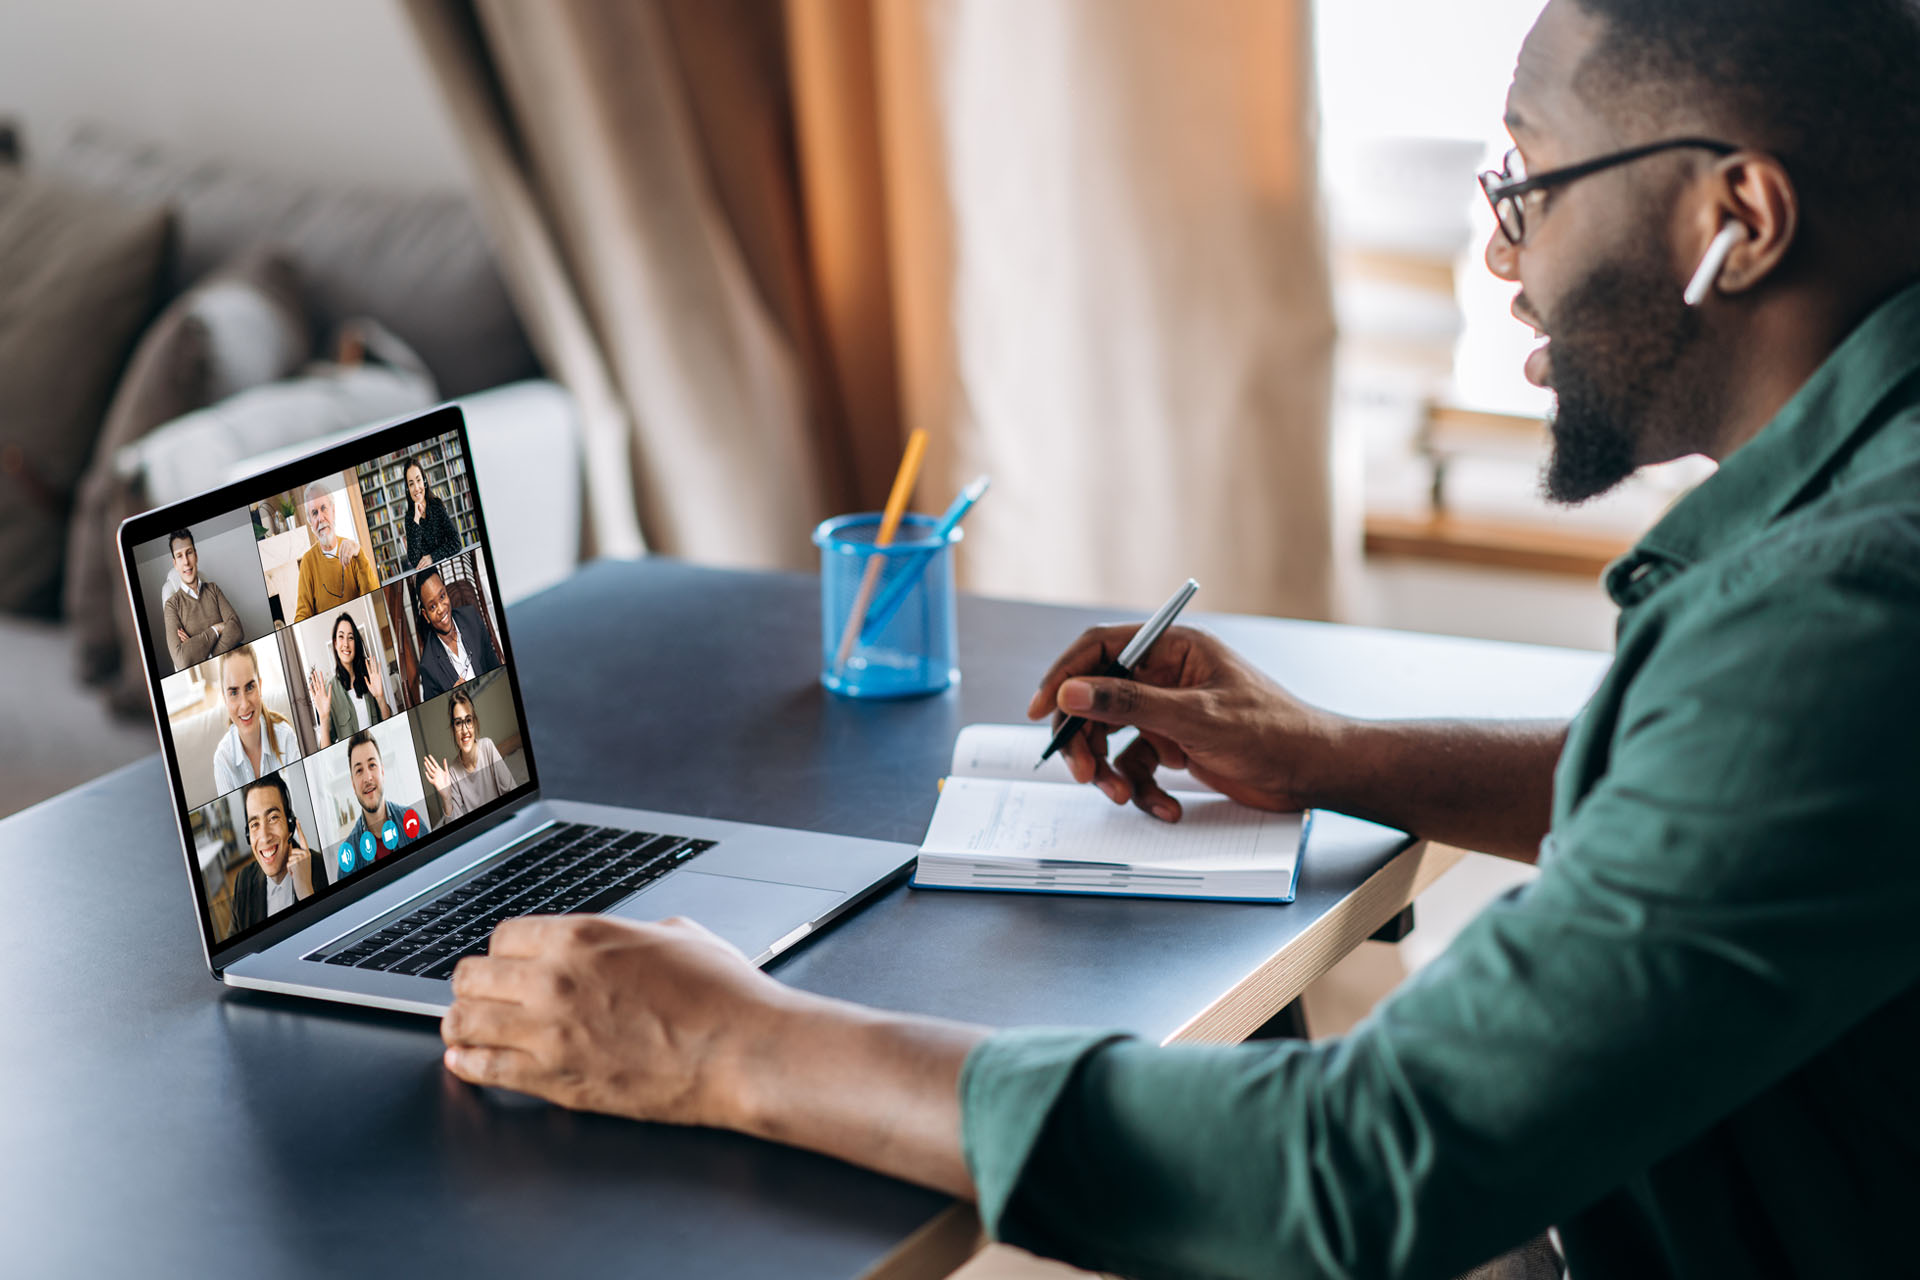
x,y
153,1123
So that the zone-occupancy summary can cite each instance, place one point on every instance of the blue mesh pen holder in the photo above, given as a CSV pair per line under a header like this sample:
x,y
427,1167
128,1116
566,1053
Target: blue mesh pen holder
x,y
905,645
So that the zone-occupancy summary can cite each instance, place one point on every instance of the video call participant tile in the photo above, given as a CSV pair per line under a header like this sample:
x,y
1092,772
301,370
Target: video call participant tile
x,y
473,750
313,547
450,623
346,672
202,591
419,505
369,795
231,720
258,853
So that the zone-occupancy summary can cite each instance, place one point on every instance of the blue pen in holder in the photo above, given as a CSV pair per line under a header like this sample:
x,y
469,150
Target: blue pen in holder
x,y
906,643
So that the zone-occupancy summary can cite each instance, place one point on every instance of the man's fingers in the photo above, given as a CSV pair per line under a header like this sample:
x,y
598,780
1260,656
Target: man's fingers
x,y
1172,754
491,977
1148,707
529,935
1086,756
499,1068
1137,764
1095,647
489,1024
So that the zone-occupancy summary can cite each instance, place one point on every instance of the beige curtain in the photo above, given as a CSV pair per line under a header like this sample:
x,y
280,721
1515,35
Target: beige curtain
x,y
1076,240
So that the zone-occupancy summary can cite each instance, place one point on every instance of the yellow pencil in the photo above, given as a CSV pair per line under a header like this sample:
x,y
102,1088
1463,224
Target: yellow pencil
x,y
903,481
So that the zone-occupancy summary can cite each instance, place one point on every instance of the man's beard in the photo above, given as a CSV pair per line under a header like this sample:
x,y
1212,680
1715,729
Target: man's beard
x,y
1622,339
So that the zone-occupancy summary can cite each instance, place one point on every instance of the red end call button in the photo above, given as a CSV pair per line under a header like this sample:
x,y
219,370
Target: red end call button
x,y
410,823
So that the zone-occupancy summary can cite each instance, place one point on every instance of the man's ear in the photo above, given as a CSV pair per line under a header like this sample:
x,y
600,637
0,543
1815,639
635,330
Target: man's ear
x,y
1754,190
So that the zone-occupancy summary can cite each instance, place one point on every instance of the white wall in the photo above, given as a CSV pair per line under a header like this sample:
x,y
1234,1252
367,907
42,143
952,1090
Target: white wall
x,y
327,89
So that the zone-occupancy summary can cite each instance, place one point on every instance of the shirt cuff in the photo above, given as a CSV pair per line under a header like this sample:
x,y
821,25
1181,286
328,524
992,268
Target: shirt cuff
x,y
1009,1085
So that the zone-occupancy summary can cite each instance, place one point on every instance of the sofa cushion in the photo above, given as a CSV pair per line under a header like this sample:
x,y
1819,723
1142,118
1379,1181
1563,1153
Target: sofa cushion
x,y
79,274
242,326
420,262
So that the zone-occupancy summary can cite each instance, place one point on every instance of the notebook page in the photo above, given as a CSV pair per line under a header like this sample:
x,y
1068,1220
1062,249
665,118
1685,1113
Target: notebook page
x,y
1010,750
985,818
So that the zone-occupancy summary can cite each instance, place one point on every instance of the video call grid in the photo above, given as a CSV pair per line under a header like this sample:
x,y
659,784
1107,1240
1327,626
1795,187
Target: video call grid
x,y
306,763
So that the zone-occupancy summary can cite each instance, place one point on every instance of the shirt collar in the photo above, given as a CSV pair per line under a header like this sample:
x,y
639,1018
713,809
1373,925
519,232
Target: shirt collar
x,y
1765,478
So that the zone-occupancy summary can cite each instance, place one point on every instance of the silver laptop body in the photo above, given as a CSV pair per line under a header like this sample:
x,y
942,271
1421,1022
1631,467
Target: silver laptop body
x,y
764,889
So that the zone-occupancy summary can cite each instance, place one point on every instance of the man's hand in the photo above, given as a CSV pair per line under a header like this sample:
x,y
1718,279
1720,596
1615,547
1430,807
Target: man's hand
x,y
182,633
1198,706
599,1014
347,549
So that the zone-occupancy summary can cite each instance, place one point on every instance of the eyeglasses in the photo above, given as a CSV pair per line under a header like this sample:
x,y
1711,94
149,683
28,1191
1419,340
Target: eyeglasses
x,y
463,722
1508,186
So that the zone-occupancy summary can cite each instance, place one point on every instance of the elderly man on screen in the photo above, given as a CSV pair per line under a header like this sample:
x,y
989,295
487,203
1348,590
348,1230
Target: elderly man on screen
x,y
335,569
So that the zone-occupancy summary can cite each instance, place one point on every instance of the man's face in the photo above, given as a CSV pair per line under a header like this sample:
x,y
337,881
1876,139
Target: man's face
x,y
267,830
187,561
434,603
320,518
1598,278
369,785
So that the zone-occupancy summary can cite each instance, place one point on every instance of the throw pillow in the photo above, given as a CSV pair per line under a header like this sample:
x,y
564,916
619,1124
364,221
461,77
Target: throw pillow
x,y
78,277
242,326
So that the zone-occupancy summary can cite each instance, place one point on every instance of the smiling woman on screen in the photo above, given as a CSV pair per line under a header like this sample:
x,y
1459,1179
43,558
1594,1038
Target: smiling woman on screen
x,y
354,697
257,740
478,774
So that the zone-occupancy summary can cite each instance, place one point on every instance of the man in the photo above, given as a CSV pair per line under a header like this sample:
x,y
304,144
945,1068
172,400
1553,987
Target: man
x,y
284,870
333,571
200,622
385,820
1689,1042
455,646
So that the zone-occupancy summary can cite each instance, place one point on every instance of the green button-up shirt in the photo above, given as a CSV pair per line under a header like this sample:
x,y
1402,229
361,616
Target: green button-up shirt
x,y
1693,1041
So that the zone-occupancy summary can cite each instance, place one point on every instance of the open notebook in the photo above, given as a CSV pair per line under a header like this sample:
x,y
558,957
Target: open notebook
x,y
1002,825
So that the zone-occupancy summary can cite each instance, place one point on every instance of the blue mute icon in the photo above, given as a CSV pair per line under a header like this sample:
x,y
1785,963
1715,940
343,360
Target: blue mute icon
x,y
390,834
367,847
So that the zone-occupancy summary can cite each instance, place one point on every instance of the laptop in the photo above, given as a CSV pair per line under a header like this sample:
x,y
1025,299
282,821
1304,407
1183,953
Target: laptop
x,y
352,772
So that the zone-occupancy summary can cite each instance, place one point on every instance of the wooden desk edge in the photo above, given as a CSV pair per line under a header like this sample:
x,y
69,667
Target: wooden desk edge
x,y
947,1242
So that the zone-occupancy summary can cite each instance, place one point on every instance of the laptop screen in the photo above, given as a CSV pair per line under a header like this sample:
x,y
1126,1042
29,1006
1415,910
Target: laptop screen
x,y
329,657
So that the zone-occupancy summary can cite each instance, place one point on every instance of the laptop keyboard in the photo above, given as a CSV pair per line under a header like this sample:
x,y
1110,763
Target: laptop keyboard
x,y
572,869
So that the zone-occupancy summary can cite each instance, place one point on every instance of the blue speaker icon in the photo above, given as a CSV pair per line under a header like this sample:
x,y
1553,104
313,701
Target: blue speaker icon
x,y
346,857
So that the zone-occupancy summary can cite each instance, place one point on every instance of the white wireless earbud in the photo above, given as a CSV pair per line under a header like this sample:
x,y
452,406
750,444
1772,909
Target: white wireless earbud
x,y
1715,258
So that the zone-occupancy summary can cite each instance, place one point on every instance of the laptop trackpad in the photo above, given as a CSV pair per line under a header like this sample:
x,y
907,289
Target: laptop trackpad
x,y
751,914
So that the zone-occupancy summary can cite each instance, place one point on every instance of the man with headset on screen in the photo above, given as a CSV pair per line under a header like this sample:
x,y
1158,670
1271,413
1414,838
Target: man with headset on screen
x,y
283,869
1688,1043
